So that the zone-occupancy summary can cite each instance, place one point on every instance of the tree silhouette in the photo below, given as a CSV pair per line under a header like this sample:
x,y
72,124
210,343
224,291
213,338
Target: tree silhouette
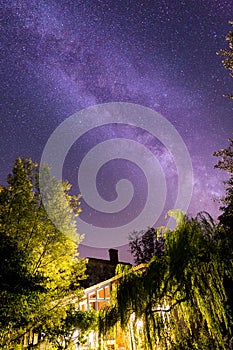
x,y
144,245
228,55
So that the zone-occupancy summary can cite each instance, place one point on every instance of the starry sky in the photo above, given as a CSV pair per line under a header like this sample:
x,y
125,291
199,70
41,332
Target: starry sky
x,y
60,57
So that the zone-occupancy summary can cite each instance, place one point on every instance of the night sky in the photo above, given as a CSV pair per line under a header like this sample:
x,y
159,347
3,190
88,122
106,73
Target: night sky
x,y
62,56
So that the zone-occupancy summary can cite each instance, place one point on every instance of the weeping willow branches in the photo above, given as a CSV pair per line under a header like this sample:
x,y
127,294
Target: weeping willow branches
x,y
180,297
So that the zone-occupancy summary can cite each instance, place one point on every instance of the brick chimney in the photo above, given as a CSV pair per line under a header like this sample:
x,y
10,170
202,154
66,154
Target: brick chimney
x,y
113,256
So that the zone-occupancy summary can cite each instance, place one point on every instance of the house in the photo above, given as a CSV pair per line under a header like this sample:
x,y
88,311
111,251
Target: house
x,y
96,297
98,288
99,270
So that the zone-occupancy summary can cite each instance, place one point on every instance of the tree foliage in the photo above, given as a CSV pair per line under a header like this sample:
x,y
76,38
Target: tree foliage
x,y
180,297
146,244
226,164
73,328
228,55
39,264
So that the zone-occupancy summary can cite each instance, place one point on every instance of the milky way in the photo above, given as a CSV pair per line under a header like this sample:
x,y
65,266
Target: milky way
x,y
63,56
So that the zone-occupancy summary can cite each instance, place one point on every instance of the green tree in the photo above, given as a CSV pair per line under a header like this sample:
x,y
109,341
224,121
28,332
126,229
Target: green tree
x,y
39,263
180,298
73,328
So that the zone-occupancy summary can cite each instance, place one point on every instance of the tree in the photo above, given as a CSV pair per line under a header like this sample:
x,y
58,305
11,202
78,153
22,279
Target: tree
x,y
39,264
179,298
73,328
226,218
226,163
144,245
228,55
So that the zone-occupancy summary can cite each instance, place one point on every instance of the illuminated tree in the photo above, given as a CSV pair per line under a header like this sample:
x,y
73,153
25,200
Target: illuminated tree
x,y
39,264
180,297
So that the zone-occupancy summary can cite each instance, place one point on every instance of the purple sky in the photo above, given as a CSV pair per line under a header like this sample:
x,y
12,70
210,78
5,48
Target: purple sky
x,y
62,56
